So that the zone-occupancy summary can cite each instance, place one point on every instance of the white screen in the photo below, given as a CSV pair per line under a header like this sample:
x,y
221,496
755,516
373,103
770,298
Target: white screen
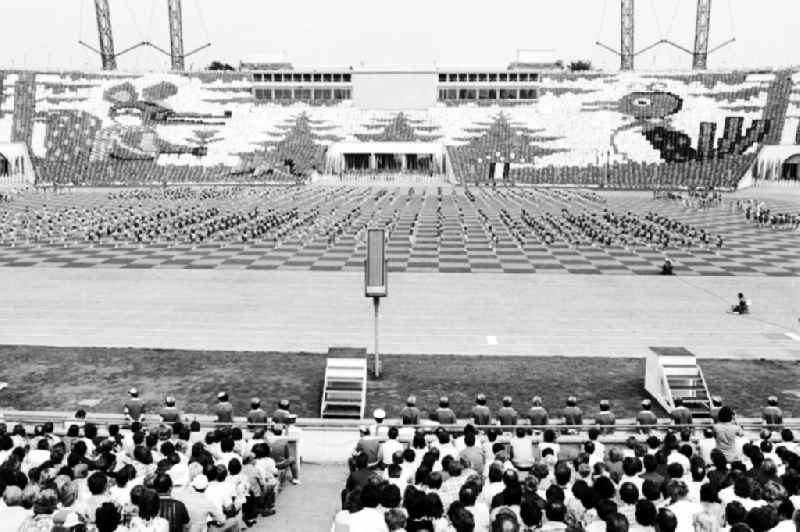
x,y
394,90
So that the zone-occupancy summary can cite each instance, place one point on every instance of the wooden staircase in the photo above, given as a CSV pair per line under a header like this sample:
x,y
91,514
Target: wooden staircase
x,y
673,372
344,393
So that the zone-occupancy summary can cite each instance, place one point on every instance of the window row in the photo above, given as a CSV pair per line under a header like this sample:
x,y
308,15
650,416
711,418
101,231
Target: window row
x,y
488,94
301,77
299,94
511,77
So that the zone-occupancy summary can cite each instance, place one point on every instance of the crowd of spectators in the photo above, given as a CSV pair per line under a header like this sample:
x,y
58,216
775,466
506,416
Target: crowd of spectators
x,y
482,479
170,477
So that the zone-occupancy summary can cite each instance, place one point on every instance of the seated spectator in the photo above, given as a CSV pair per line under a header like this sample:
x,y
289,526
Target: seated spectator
x,y
555,512
666,521
522,450
468,496
369,518
460,518
148,517
107,517
13,514
395,520
44,506
704,522
171,509
617,523
644,517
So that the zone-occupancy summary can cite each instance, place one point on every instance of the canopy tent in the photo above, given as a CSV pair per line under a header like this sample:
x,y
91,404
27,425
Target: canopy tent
x,y
16,168
771,159
341,156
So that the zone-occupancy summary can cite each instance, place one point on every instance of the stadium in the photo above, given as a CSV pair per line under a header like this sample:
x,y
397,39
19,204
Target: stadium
x,y
533,295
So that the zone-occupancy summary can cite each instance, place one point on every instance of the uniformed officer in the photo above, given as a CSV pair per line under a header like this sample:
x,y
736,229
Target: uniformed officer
x,y
169,412
445,414
280,413
410,413
257,416
537,414
134,406
378,428
772,414
507,415
680,414
481,414
573,415
646,417
605,417
224,408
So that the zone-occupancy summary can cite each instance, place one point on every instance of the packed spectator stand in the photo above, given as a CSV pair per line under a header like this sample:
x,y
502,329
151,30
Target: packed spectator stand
x,y
520,475
157,472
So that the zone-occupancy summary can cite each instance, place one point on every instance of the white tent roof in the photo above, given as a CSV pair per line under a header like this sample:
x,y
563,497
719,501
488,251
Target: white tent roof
x,y
9,150
342,148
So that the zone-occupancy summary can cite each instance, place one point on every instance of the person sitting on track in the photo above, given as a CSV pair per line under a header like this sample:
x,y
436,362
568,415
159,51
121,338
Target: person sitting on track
x,y
742,306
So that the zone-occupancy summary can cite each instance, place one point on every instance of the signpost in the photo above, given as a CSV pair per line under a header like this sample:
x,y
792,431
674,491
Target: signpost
x,y
375,279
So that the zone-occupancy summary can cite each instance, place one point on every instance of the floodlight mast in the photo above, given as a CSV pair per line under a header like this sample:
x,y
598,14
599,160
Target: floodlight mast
x,y
626,43
106,38
702,29
105,35
700,53
176,35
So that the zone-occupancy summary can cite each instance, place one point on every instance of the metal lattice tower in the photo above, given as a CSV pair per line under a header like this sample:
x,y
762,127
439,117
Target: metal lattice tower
x,y
700,56
176,34
107,54
627,50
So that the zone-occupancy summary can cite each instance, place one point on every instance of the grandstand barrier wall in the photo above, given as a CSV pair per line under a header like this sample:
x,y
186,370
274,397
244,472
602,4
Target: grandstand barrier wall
x,y
332,441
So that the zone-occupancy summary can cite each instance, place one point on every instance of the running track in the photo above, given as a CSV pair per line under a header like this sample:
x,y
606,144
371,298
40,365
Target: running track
x,y
488,314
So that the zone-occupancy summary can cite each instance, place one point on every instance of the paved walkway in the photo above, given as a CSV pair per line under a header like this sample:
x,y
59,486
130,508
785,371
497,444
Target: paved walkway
x,y
473,314
310,506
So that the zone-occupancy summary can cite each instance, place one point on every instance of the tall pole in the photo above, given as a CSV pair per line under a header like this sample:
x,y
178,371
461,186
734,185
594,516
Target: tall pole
x,y
626,35
176,34
702,29
376,302
104,34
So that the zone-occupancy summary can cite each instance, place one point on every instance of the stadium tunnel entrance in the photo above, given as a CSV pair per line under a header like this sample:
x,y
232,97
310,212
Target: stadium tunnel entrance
x,y
791,168
410,157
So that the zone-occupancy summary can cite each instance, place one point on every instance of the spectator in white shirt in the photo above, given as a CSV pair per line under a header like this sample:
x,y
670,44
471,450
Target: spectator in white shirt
x,y
628,496
395,520
495,484
220,492
697,472
786,511
467,495
390,446
549,442
707,444
704,522
631,467
522,450
369,518
12,514
683,508
120,492
734,513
